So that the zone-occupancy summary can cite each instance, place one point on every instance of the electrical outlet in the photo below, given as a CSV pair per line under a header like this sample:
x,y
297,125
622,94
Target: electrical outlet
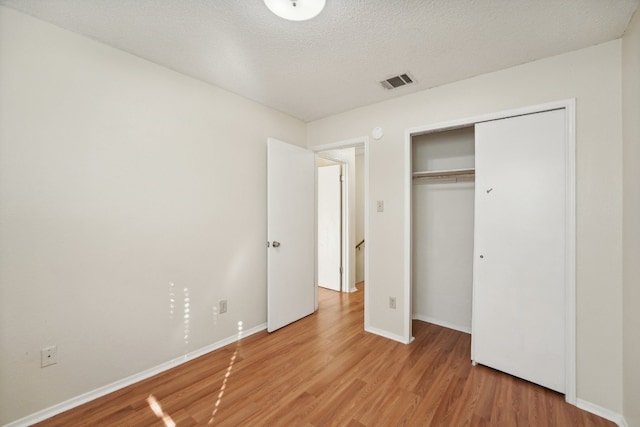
x,y
392,302
49,356
223,306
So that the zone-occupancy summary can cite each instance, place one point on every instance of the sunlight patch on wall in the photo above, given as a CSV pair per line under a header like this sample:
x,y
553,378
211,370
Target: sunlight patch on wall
x,y
186,309
172,300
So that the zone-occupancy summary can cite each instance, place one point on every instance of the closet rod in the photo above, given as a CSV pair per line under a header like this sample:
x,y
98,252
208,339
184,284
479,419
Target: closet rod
x,y
444,179
444,173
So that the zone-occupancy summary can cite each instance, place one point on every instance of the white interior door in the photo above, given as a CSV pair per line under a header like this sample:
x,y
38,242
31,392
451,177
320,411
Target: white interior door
x,y
329,227
519,257
290,232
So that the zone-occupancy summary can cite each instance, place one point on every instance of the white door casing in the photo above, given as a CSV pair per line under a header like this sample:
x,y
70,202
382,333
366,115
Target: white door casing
x,y
519,256
329,227
290,233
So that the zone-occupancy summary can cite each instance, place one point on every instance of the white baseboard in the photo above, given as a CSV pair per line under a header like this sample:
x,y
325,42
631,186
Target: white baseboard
x,y
442,323
386,334
125,382
602,412
355,287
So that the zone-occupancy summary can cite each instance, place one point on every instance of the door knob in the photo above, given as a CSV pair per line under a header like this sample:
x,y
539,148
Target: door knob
x,y
276,244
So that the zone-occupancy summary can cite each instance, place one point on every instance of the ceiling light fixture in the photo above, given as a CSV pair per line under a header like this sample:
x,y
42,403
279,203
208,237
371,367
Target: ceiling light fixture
x,y
296,10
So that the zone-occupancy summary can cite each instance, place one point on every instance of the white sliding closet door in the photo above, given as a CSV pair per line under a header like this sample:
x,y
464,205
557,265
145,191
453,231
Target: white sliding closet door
x,y
519,278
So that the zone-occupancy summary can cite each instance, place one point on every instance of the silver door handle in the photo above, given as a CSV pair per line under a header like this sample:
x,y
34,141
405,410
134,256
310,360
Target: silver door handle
x,y
276,244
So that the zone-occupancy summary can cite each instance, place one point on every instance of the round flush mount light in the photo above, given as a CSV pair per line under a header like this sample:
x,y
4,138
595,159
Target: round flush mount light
x,y
296,10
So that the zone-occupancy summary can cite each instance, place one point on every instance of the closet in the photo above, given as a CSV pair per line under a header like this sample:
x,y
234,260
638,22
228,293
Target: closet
x,y
443,200
489,231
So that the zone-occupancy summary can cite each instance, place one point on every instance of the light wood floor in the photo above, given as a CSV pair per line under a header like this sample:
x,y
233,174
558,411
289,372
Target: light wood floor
x,y
325,370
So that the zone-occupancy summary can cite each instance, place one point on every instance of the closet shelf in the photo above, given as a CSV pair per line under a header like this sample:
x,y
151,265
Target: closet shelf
x,y
444,173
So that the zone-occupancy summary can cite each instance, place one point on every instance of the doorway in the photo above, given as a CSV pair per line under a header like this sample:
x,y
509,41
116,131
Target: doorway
x,y
340,186
331,216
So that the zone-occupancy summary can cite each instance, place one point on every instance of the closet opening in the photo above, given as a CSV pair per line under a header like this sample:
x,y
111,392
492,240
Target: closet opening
x,y
443,172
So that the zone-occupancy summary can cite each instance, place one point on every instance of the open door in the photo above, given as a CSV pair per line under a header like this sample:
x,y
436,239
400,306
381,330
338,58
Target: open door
x,y
290,233
330,227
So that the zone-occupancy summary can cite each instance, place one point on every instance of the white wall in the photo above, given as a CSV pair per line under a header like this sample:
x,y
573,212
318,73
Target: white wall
x,y
444,150
631,214
442,230
593,77
443,253
118,177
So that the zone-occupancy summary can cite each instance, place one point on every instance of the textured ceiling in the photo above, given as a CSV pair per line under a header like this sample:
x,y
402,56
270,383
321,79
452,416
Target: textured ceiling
x,y
333,63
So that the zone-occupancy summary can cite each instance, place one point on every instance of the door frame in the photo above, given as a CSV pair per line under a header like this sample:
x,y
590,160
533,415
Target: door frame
x,y
363,141
570,221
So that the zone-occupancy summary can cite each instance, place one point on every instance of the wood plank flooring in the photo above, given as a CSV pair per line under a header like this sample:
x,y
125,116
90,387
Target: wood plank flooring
x,y
324,370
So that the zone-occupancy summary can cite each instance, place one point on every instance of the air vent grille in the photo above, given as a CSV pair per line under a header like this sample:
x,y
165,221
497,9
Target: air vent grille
x,y
395,82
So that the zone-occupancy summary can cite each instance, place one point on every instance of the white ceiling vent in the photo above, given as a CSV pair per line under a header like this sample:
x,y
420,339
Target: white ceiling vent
x,y
395,82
